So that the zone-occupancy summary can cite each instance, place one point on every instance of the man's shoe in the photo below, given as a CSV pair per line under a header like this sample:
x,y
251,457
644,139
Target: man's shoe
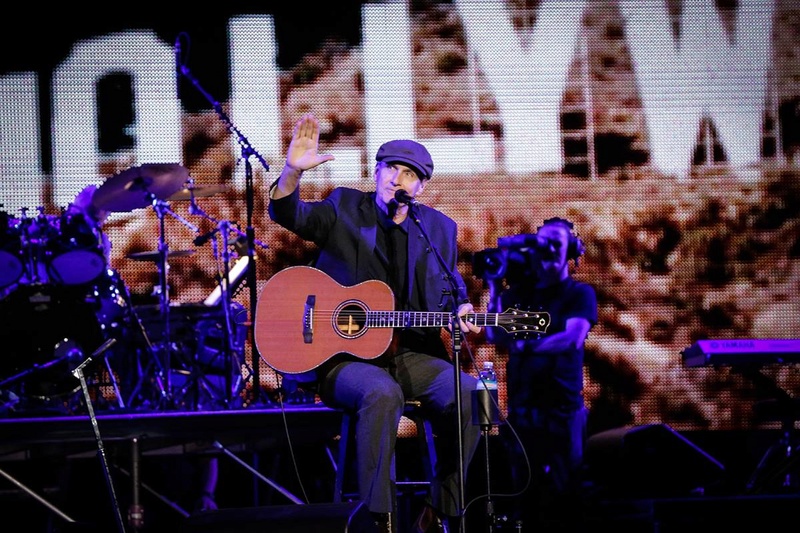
x,y
429,522
383,522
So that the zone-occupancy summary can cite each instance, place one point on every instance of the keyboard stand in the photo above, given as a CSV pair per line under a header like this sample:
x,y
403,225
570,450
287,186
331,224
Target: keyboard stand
x,y
776,469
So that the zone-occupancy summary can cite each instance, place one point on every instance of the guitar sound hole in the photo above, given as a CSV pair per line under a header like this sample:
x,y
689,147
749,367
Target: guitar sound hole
x,y
350,320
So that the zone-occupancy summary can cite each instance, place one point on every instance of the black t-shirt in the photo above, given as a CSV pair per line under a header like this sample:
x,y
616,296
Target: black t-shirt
x,y
548,380
392,243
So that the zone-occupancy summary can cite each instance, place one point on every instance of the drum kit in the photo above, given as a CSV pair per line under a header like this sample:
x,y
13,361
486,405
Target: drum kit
x,y
60,301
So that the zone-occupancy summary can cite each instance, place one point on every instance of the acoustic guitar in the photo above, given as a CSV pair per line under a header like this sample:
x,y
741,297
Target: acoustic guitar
x,y
304,317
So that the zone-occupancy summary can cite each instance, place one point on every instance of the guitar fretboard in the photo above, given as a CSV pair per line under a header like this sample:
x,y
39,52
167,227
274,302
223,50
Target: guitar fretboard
x,y
425,319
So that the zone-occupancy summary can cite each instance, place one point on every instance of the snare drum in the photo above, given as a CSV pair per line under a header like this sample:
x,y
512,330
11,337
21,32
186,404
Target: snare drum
x,y
75,256
10,251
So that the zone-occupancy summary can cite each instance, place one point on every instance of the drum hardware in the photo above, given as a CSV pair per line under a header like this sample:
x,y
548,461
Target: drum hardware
x,y
35,233
143,373
59,394
69,350
44,326
137,187
200,362
155,255
76,253
112,310
8,401
10,268
64,250
162,208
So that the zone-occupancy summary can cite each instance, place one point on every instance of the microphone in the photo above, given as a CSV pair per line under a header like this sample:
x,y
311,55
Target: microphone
x,y
202,239
402,197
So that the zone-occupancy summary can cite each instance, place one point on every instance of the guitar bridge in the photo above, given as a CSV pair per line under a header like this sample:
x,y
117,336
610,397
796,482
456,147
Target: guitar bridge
x,y
308,319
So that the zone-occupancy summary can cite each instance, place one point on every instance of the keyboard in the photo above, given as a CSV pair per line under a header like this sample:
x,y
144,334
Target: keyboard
x,y
735,352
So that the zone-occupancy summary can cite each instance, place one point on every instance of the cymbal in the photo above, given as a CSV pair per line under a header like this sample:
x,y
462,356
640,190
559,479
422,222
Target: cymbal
x,y
135,187
198,192
155,255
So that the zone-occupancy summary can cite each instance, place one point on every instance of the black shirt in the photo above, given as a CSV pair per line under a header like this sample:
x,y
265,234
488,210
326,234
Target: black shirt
x,y
392,248
536,380
392,242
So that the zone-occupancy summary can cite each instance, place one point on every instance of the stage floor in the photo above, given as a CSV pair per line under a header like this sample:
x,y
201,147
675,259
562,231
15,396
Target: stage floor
x,y
55,470
52,475
24,433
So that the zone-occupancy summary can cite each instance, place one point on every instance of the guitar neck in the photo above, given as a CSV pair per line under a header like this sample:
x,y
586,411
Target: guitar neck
x,y
426,319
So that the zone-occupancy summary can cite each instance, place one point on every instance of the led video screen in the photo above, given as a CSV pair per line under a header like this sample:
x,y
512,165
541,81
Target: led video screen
x,y
666,131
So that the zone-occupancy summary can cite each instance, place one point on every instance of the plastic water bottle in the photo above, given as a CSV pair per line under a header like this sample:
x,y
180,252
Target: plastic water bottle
x,y
484,397
488,376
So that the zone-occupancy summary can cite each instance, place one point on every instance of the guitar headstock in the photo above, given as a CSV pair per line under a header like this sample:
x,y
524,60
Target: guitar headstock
x,y
518,322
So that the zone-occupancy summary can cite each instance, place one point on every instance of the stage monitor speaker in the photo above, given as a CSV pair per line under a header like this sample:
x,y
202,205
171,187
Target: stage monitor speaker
x,y
350,517
649,460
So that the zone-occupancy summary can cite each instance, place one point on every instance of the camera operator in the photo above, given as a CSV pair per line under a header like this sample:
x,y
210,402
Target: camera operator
x,y
545,379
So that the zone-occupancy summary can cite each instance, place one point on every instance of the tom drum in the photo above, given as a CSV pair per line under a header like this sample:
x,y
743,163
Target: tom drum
x,y
75,256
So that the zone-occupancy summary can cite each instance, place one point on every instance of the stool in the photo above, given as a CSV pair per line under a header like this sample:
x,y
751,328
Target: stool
x,y
424,438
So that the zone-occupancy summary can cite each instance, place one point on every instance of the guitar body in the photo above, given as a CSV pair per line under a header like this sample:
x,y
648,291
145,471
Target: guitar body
x,y
295,336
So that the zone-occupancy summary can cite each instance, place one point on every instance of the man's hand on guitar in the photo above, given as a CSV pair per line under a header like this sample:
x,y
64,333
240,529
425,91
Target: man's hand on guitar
x,y
465,325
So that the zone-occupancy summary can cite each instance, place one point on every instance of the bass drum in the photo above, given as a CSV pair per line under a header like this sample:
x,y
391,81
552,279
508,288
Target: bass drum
x,y
47,331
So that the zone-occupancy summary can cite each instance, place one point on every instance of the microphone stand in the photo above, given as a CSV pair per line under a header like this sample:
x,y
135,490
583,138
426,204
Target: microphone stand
x,y
226,311
456,334
486,418
223,228
101,451
247,152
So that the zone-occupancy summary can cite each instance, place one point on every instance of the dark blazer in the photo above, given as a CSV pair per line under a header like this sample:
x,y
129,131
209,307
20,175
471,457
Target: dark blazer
x,y
344,226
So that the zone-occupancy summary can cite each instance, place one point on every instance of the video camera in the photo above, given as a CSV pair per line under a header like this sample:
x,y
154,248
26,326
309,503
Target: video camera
x,y
511,259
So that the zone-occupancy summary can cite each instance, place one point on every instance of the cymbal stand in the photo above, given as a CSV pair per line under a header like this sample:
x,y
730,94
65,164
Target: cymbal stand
x,y
161,209
151,350
197,376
